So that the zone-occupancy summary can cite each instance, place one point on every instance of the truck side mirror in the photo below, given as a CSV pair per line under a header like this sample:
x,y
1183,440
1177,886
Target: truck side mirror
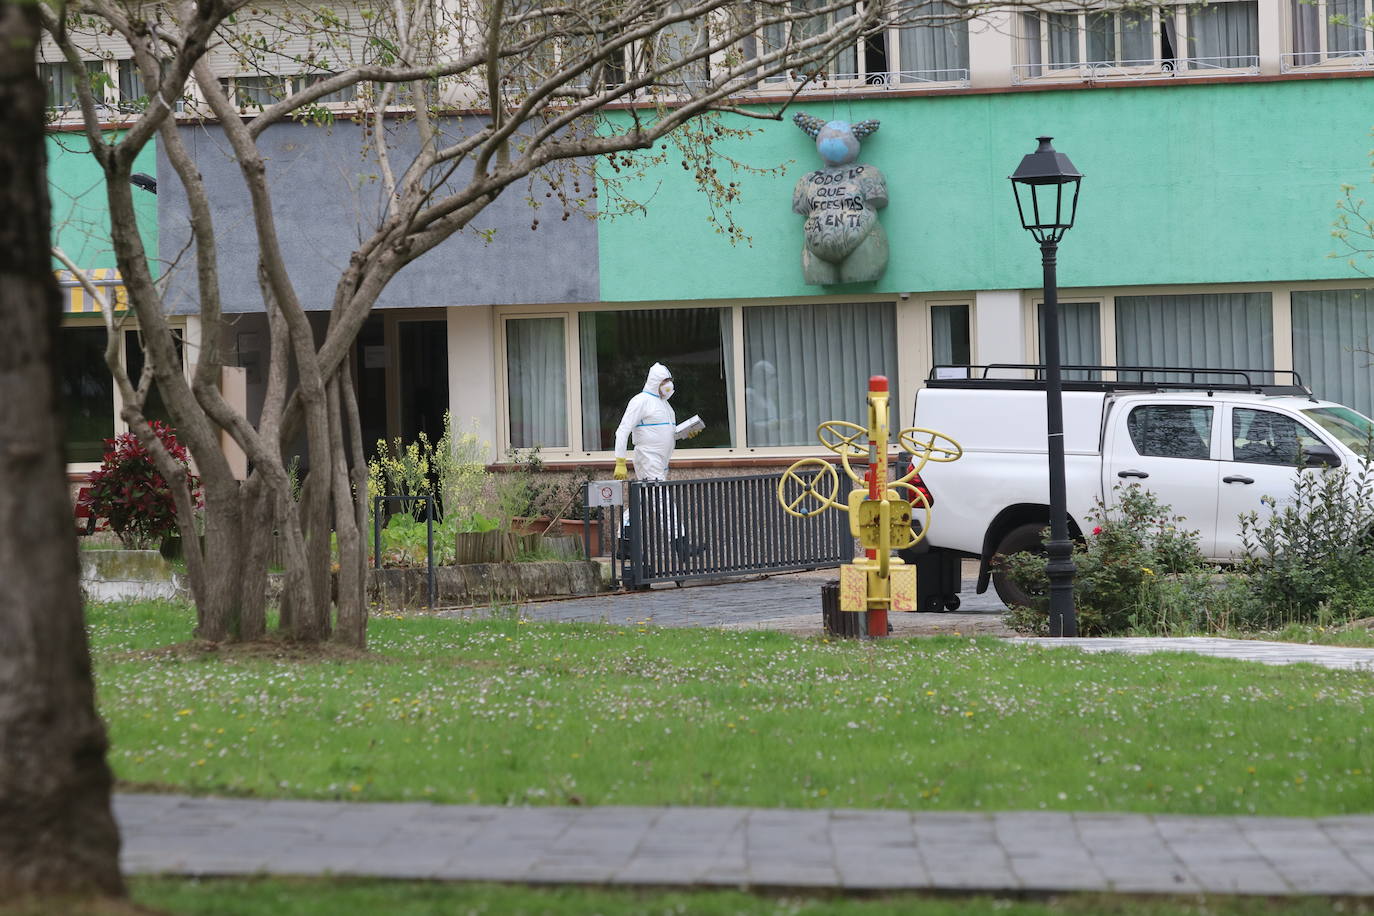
x,y
1319,455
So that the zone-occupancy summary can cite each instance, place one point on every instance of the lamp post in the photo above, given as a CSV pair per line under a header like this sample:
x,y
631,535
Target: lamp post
x,y
1046,189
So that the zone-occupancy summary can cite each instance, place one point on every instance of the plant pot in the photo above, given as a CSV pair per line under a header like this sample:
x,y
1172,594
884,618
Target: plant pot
x,y
483,547
526,525
171,547
577,528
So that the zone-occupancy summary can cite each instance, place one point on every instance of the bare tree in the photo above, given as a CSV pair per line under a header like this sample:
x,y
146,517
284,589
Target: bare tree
x,y
57,833
566,84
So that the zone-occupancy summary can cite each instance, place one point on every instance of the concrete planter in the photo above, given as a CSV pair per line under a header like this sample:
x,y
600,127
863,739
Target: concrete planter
x,y
483,584
129,575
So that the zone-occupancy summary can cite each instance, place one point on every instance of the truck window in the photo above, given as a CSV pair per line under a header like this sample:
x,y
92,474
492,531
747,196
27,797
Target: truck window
x,y
1265,437
1171,431
1355,430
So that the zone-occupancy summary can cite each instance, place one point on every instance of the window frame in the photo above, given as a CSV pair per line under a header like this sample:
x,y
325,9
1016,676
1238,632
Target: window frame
x,y
896,74
572,405
126,325
1292,59
577,452
1088,70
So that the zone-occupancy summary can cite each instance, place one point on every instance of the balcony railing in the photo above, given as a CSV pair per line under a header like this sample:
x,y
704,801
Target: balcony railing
x,y
1106,71
891,79
1320,61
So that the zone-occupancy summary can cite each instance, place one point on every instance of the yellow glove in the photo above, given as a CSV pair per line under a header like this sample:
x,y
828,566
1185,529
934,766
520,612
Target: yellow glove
x,y
620,472
693,434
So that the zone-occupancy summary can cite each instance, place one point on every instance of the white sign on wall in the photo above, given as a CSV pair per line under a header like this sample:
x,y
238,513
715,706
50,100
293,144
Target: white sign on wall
x,y
606,493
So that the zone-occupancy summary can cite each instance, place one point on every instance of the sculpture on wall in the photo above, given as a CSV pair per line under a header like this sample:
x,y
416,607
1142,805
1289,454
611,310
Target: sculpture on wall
x,y
844,242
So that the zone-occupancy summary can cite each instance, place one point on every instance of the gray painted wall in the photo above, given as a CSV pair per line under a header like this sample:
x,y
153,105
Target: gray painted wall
x,y
325,202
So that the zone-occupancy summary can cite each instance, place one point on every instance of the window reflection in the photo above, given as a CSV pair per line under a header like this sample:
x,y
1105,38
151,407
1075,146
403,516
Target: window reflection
x,y
1171,431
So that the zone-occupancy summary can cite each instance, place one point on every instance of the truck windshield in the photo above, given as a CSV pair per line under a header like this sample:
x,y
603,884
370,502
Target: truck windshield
x,y
1355,430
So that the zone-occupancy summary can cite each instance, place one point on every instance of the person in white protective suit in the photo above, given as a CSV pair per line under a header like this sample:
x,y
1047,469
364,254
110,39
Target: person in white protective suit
x,y
653,423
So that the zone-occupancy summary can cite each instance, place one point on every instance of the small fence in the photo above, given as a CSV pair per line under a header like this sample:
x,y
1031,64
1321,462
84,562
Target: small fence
x,y
720,527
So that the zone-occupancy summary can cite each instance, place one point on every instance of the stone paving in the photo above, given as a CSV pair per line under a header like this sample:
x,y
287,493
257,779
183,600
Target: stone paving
x,y
1009,852
789,603
1254,650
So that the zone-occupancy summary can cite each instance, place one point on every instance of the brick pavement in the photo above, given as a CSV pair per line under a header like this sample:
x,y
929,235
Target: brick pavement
x,y
882,850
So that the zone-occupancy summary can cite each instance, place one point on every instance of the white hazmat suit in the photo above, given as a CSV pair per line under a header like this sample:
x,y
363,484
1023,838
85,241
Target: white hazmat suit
x,y
653,424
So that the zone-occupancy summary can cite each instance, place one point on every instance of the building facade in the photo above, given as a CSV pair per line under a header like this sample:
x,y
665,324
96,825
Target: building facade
x,y
1215,143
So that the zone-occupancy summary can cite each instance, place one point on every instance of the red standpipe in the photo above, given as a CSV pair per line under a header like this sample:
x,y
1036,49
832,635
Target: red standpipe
x,y
877,620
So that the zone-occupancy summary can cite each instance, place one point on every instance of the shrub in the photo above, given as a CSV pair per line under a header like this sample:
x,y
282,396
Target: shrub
x,y
1308,559
1138,570
452,469
131,494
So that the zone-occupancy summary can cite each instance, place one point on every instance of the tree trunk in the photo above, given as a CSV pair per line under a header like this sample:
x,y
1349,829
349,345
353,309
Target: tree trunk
x,y
258,521
220,609
57,832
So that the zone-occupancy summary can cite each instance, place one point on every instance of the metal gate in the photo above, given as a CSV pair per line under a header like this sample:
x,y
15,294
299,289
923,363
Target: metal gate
x,y
725,526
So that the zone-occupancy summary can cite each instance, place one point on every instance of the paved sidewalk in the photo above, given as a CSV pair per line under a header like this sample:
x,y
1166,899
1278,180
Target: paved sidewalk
x,y
754,848
790,602
1254,650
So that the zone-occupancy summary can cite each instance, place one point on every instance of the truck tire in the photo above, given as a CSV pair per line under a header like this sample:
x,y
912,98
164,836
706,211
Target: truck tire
x,y
1027,538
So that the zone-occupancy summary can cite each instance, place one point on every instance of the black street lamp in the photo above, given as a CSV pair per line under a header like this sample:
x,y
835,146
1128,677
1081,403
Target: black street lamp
x,y
1046,189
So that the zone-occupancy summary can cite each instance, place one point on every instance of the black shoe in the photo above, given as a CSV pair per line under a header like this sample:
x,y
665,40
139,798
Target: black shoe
x,y
686,550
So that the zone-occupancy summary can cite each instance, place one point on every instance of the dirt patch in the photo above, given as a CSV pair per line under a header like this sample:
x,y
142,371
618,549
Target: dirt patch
x,y
273,648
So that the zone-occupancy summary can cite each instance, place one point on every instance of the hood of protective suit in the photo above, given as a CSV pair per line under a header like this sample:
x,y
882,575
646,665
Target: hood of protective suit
x,y
657,373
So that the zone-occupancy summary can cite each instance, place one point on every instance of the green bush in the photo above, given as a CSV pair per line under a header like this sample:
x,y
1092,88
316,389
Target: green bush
x,y
130,493
1139,570
1308,559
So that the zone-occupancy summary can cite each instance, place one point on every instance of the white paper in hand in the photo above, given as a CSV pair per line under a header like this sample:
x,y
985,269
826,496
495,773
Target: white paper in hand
x,y
692,424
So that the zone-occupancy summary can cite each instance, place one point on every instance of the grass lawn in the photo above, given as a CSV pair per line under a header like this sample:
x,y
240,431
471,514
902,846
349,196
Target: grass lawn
x,y
502,712
321,897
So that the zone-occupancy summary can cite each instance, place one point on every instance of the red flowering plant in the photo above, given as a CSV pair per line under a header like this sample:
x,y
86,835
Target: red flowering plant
x,y
129,491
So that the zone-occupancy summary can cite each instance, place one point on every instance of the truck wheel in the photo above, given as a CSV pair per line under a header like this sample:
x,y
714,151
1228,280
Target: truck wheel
x,y
1026,538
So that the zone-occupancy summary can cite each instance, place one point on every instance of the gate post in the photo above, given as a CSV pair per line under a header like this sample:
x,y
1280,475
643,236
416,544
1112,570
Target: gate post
x,y
635,504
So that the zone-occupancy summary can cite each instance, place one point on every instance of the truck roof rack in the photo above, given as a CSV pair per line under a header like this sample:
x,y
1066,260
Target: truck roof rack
x,y
1031,377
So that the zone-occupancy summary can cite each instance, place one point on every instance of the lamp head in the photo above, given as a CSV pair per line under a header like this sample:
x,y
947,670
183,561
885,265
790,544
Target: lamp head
x,y
1046,189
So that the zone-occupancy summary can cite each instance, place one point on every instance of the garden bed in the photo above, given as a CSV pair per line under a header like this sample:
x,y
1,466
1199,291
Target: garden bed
x,y
483,584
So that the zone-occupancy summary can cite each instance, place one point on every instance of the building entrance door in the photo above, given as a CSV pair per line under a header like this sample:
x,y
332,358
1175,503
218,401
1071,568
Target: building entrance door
x,y
401,371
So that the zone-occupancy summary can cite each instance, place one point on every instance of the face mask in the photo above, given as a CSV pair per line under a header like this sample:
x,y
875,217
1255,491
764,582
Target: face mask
x,y
666,389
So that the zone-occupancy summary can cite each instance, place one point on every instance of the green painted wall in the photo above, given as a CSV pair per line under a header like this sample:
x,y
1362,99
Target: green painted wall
x,y
1183,184
80,209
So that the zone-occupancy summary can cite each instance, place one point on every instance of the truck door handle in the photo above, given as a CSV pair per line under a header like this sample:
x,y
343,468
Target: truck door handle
x,y
1237,478
1131,472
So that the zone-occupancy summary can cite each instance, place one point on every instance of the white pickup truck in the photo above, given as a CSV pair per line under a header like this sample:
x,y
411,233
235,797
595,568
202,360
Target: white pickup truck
x,y
1207,443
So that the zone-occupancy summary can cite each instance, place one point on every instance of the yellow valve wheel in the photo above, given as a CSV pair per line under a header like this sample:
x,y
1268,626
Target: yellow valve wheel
x,y
920,504
927,445
821,489
842,438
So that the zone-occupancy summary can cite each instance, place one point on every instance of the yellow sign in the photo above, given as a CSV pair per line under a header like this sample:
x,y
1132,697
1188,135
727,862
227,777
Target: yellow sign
x,y
902,582
853,588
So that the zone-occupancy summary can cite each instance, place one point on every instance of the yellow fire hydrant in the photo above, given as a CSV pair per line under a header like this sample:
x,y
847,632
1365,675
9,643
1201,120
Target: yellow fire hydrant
x,y
879,514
